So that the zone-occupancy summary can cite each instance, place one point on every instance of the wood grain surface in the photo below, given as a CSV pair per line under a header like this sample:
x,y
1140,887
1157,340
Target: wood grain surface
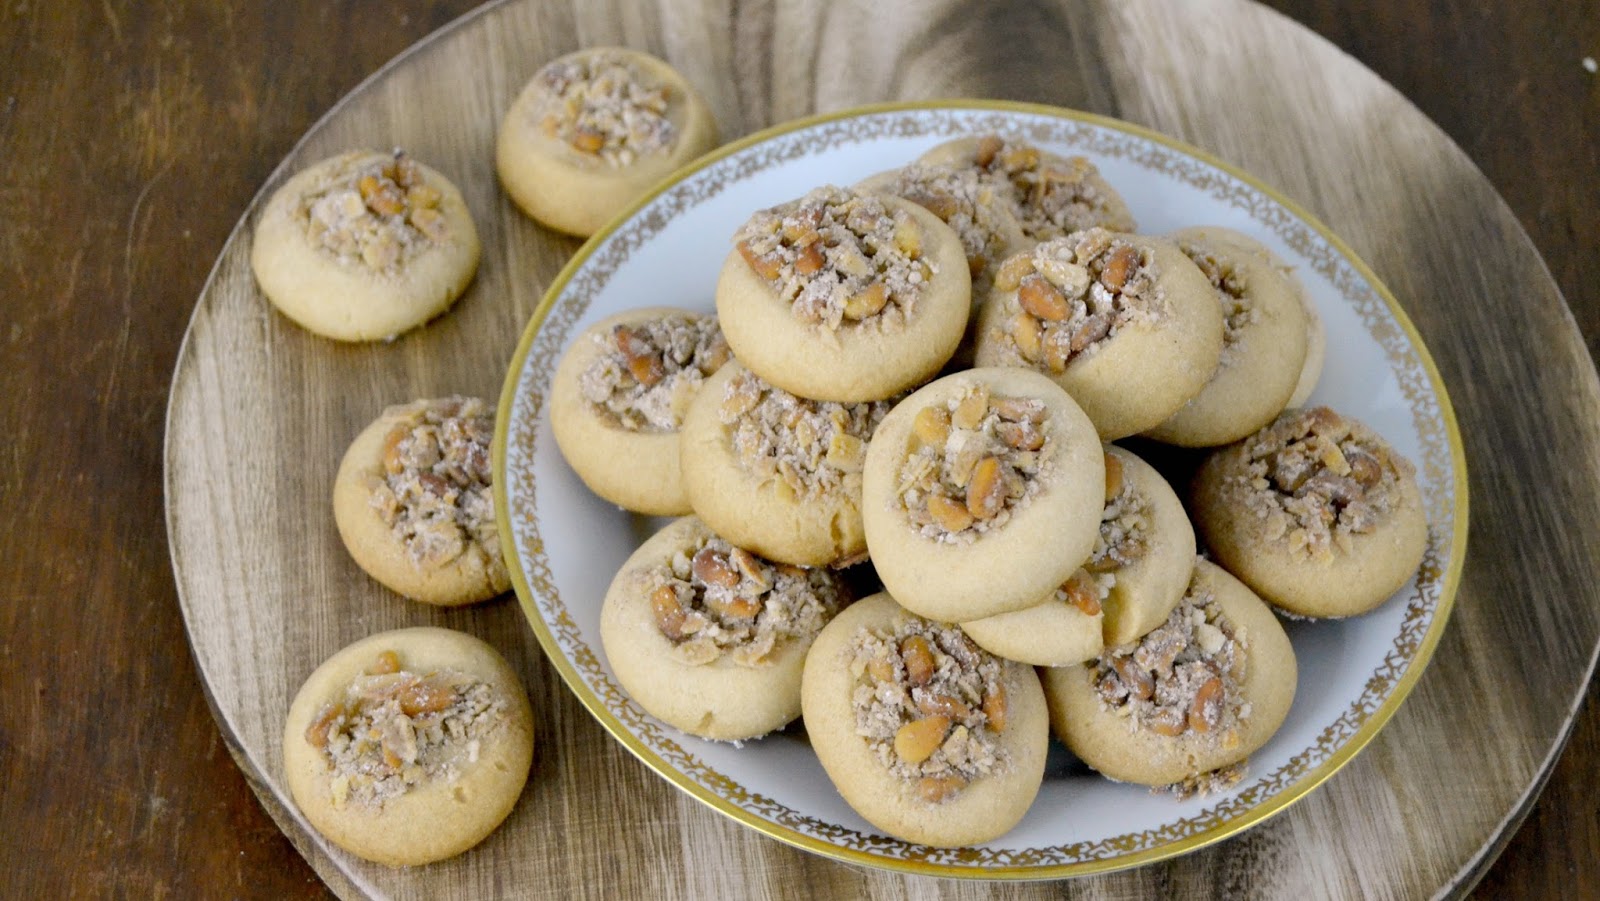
x,y
134,137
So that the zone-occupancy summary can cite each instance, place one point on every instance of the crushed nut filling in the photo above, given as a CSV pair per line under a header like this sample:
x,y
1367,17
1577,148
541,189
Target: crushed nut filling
x,y
1318,479
1052,199
603,106
718,599
435,489
1228,278
380,212
1074,293
1183,677
647,373
975,460
839,255
394,730
930,704
1124,523
1205,784
975,207
810,447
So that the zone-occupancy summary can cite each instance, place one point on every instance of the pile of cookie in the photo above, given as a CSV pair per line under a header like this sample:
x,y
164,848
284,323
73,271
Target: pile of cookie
x,y
411,746
909,390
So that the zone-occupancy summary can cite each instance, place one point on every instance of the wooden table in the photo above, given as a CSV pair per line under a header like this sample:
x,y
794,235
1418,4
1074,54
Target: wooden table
x,y
133,136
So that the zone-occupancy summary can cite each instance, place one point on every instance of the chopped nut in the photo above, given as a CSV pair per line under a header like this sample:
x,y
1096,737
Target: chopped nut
x,y
918,659
669,613
931,425
986,493
950,515
387,662
866,302
917,740
1206,708
934,789
994,707
1114,477
1082,593
1042,299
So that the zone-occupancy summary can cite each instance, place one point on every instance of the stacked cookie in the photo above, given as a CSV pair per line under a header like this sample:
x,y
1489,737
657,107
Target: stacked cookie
x,y
815,433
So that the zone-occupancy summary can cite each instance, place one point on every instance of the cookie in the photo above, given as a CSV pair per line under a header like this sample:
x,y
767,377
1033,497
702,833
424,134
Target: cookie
x,y
364,246
1200,693
774,473
408,747
1316,350
923,734
1138,571
593,130
414,502
619,397
844,295
1066,628
1125,323
1264,336
982,492
711,638
1053,195
1316,512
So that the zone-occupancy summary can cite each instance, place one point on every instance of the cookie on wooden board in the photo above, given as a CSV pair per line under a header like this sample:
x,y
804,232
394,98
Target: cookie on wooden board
x,y
593,130
409,746
414,502
364,246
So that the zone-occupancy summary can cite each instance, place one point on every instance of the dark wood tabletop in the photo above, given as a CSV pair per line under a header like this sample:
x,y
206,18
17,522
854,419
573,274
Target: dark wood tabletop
x,y
133,136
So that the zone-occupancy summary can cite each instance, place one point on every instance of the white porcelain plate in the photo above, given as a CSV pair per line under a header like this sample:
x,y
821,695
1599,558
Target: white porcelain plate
x,y
565,544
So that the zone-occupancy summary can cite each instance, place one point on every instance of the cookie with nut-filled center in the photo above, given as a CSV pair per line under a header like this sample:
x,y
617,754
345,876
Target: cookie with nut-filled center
x,y
777,473
1127,324
844,295
923,733
414,502
1140,566
981,494
409,746
1316,512
594,129
364,246
619,397
1264,341
1197,694
710,637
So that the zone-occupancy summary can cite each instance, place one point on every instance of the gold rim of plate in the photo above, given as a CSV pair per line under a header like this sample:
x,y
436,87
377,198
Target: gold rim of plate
x,y
1346,736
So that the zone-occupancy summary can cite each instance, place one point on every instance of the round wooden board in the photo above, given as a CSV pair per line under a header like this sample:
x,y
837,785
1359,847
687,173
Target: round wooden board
x,y
261,411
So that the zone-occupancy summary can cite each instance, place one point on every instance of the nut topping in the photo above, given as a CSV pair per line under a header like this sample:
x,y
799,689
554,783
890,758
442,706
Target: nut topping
x,y
604,106
809,447
380,212
718,599
930,704
836,255
646,373
394,730
974,460
434,489
1183,677
1073,293
1319,479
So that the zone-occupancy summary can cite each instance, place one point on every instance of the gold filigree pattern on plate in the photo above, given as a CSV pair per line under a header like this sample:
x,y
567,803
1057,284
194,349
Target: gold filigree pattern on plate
x,y
1441,471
